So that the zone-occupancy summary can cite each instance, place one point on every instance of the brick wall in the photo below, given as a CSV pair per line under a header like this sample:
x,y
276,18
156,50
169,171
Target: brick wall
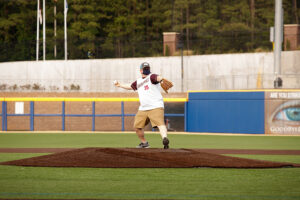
x,y
291,36
42,123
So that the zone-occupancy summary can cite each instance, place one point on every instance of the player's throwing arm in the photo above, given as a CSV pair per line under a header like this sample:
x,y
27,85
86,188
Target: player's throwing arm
x,y
124,86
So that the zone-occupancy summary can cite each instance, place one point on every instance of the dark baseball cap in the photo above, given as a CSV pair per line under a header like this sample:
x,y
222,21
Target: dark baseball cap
x,y
144,65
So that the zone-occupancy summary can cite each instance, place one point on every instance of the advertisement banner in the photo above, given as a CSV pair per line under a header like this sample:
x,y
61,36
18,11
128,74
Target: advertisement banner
x,y
282,112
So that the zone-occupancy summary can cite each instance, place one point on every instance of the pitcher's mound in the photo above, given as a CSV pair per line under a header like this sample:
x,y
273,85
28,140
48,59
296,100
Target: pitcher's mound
x,y
142,158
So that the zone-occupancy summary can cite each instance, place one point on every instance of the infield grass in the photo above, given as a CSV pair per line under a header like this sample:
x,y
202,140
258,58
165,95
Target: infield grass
x,y
275,158
194,183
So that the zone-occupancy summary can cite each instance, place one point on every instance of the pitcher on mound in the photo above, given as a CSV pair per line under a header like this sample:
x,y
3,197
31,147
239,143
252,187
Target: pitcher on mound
x,y
151,107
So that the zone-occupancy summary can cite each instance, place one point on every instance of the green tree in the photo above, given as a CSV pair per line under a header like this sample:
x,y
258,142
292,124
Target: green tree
x,y
133,28
84,22
17,21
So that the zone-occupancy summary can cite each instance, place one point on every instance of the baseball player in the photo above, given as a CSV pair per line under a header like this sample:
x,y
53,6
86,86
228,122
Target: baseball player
x,y
151,107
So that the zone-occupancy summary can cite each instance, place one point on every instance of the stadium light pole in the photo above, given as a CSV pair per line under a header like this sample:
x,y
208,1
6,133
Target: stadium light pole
x,y
37,29
65,28
179,45
55,51
44,30
278,42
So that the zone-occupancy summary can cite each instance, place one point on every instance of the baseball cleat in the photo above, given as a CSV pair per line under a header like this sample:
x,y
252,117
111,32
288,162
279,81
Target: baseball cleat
x,y
166,143
143,145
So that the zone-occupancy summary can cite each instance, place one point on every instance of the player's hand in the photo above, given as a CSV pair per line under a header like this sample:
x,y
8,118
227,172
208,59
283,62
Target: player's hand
x,y
116,83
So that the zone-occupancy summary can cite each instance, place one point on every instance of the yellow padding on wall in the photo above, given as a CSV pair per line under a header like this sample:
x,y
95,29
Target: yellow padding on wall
x,y
260,90
82,99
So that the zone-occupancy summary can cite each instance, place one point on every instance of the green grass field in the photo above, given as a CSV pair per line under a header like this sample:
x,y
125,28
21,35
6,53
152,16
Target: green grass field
x,y
195,183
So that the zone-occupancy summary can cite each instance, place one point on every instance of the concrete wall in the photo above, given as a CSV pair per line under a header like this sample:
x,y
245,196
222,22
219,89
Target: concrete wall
x,y
204,72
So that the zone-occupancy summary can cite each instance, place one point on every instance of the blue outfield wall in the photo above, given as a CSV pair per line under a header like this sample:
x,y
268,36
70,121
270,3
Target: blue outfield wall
x,y
226,112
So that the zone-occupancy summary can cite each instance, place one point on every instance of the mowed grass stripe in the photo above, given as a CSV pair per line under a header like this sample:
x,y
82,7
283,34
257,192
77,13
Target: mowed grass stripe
x,y
79,140
150,196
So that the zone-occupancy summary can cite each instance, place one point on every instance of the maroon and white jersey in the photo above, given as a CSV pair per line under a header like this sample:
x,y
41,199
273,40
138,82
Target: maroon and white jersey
x,y
149,92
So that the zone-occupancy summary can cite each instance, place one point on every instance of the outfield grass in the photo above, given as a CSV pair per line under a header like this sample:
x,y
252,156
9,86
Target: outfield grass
x,y
97,183
78,140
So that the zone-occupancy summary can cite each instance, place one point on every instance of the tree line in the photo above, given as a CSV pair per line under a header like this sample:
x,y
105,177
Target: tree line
x,y
134,28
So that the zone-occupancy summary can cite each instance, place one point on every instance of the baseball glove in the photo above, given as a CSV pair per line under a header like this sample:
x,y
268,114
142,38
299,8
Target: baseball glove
x,y
166,84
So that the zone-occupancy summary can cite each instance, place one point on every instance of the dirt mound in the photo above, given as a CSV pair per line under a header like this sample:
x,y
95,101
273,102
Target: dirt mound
x,y
142,158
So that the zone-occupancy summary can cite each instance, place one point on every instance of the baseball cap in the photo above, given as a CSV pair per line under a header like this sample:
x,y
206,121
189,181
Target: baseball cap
x,y
145,67
144,64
